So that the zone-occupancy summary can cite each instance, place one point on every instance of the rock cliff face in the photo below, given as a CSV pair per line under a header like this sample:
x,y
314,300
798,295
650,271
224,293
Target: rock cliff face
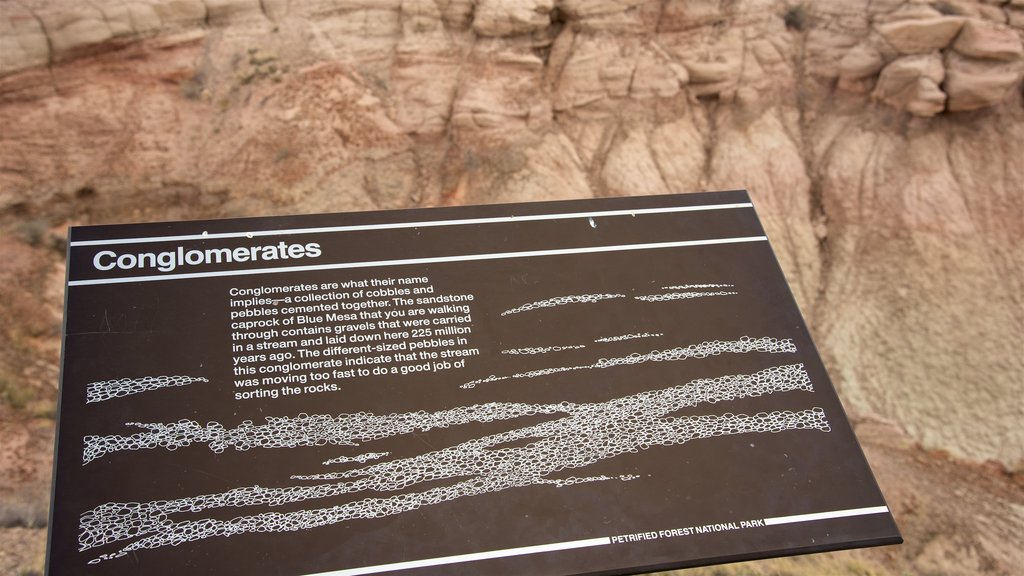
x,y
881,140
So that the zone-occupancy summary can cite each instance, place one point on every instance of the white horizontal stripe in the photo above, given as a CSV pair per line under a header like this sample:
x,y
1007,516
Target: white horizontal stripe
x,y
826,515
430,260
395,225
468,557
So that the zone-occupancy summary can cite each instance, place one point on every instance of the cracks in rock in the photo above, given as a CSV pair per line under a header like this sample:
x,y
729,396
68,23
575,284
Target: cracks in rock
x,y
459,78
819,226
710,107
263,9
416,196
558,22
648,133
632,77
457,192
106,19
553,69
845,291
131,21
961,188
611,136
818,215
662,6
42,27
50,57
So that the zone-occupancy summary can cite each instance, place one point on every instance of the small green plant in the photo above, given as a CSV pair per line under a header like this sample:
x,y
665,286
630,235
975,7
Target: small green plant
x,y
17,397
282,155
43,409
32,232
260,64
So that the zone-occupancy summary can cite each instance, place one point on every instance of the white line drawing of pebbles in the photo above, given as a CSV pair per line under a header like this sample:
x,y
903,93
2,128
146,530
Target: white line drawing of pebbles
x,y
681,296
562,301
691,286
361,459
743,345
478,466
629,337
107,389
541,350
361,427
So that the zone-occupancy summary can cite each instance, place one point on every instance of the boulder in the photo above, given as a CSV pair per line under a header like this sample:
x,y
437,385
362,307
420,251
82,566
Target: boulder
x,y
900,10
511,17
861,62
859,68
981,39
973,84
992,13
716,63
226,12
823,50
717,70
920,36
911,83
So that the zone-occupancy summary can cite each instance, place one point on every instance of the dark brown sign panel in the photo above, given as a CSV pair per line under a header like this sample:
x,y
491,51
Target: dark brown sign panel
x,y
589,387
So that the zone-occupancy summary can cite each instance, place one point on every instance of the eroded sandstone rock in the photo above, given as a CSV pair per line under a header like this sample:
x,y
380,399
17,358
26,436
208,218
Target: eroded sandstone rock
x,y
622,16
975,83
22,41
509,17
912,83
896,235
859,67
980,39
921,35
910,29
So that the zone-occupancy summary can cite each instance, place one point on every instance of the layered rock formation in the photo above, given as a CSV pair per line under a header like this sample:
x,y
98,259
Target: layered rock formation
x,y
881,141
925,62
245,107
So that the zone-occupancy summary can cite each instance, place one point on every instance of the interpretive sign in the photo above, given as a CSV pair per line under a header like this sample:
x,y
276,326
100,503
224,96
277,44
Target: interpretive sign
x,y
603,386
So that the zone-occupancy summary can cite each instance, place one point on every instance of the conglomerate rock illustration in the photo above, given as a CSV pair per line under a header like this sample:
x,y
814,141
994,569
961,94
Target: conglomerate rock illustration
x,y
579,435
